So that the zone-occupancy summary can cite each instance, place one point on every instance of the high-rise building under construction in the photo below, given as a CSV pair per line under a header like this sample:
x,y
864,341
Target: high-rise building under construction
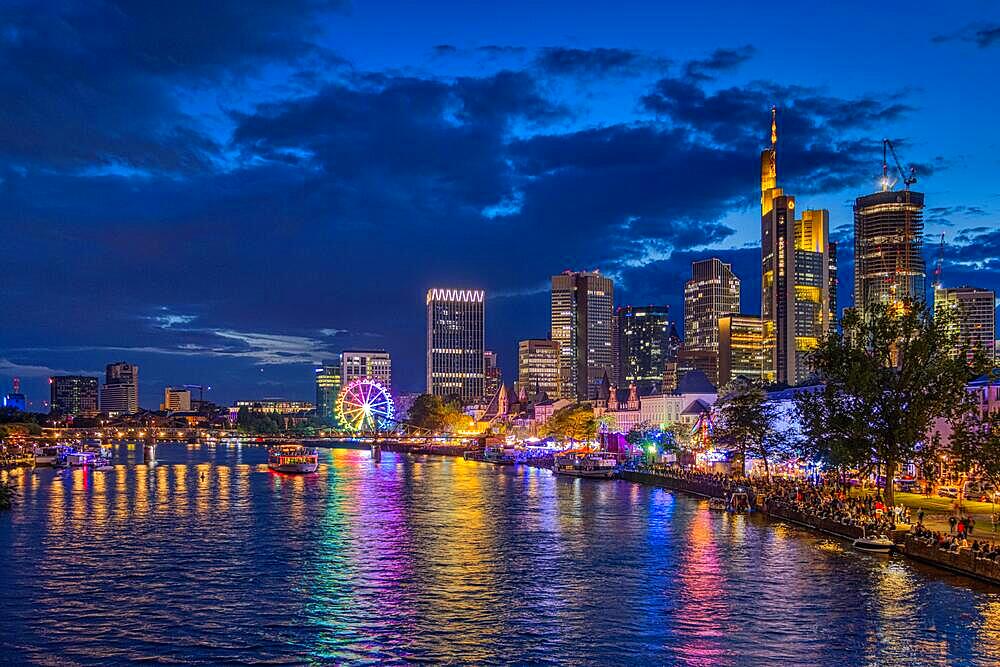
x,y
888,249
798,275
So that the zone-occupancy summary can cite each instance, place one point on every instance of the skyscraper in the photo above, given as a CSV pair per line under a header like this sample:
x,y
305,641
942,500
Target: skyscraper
x,y
538,363
645,345
582,310
796,279
373,364
492,374
455,343
741,348
713,291
328,383
73,395
120,393
888,249
975,313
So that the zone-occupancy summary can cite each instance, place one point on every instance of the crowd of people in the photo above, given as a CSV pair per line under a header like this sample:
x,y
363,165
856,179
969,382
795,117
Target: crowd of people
x,y
817,500
956,542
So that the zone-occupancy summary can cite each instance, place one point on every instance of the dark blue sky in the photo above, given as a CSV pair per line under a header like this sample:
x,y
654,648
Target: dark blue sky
x,y
225,192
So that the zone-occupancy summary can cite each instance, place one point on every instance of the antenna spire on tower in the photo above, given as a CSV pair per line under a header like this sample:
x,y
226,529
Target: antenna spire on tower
x,y
774,126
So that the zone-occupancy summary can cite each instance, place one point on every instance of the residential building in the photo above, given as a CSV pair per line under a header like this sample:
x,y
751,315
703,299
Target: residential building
x,y
538,367
975,314
372,364
120,393
647,340
176,399
328,383
796,277
741,348
582,313
456,323
73,395
888,248
713,291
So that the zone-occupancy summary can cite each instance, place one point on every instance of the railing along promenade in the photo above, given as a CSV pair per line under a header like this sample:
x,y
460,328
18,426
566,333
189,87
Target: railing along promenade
x,y
963,562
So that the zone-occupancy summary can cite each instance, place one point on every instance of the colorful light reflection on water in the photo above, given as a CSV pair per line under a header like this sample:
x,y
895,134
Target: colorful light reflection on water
x,y
206,556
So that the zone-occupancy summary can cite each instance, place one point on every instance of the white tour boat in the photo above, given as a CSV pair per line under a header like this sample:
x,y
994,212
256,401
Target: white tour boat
x,y
292,459
598,465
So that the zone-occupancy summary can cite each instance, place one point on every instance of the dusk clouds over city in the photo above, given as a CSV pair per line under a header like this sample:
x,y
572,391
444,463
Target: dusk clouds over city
x,y
229,192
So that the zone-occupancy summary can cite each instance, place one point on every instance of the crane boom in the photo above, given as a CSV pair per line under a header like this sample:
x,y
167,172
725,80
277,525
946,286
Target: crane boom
x,y
907,180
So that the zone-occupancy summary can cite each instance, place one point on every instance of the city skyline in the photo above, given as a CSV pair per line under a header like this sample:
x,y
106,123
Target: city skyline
x,y
222,201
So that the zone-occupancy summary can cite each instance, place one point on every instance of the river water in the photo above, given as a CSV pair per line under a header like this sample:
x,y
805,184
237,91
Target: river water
x,y
207,557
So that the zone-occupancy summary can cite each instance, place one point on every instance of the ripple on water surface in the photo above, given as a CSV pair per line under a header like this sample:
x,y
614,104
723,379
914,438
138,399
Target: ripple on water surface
x,y
208,557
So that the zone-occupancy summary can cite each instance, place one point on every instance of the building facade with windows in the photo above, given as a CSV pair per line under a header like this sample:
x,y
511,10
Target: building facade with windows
x,y
974,310
647,340
582,311
538,367
713,291
120,393
456,324
741,348
73,395
372,364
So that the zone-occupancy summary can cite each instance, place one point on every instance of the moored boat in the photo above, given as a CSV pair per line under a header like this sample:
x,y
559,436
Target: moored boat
x,y
598,465
717,504
498,456
292,459
876,544
50,455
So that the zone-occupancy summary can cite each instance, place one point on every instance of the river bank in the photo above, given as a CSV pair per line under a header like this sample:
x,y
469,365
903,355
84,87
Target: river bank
x,y
963,562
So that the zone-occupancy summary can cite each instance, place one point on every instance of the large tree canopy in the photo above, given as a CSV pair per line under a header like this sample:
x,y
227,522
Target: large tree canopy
x,y
886,377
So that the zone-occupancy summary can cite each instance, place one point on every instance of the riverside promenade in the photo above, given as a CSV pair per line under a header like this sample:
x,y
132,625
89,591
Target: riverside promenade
x,y
962,561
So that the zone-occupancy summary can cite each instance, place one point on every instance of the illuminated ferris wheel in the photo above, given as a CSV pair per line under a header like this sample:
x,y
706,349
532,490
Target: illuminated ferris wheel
x,y
365,405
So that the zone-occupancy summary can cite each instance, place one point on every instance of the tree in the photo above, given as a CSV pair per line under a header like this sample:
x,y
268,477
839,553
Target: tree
x,y
436,414
746,423
575,422
886,377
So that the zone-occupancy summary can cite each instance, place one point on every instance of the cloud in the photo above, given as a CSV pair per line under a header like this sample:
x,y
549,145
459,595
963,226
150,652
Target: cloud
x,y
983,35
8,367
108,85
943,215
596,62
720,60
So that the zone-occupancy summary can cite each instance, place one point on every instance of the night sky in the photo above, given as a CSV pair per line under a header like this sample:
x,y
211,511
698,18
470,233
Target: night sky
x,y
225,192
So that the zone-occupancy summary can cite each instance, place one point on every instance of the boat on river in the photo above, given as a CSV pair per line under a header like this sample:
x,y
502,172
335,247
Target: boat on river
x,y
49,455
292,459
876,544
498,456
79,459
598,465
717,504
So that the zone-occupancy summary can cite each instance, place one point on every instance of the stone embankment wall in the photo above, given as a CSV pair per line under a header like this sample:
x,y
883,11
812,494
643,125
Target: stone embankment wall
x,y
962,563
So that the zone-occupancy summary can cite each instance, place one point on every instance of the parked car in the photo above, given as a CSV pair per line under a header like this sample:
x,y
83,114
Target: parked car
x,y
948,491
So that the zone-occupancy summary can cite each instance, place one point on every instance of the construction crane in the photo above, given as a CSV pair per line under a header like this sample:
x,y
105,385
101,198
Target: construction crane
x,y
201,392
889,149
939,264
903,257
